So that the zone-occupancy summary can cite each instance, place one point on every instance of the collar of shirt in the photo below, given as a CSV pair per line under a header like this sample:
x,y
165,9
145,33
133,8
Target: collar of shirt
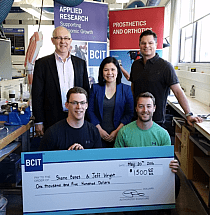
x,y
58,58
152,60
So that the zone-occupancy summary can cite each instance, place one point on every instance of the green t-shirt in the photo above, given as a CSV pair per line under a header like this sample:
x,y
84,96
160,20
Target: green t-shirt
x,y
132,136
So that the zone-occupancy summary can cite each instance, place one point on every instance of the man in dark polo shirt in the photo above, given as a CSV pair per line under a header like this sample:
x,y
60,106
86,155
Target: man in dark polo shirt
x,y
157,76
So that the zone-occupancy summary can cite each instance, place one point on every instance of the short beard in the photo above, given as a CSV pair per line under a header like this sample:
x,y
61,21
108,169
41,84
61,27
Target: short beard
x,y
142,120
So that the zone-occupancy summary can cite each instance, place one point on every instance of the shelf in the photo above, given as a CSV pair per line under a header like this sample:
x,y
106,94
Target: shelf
x,y
192,149
202,190
204,162
202,146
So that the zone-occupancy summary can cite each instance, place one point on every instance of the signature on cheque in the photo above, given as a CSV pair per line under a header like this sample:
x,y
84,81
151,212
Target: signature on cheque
x,y
132,193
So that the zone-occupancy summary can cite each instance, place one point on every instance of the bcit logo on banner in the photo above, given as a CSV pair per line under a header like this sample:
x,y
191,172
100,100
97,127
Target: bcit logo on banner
x,y
33,162
97,52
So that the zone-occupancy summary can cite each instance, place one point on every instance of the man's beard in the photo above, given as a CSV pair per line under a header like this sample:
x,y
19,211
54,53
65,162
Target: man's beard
x,y
144,120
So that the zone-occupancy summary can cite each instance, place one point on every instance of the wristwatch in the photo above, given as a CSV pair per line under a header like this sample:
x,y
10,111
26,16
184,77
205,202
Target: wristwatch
x,y
189,114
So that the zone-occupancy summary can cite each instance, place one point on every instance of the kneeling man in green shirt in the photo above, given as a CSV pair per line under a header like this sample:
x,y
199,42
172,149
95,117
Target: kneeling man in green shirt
x,y
144,132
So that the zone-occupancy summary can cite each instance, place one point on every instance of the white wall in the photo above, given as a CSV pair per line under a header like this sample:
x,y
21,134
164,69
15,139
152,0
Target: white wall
x,y
47,47
200,79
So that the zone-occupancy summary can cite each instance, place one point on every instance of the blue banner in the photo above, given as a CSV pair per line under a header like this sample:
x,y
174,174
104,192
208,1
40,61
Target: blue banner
x,y
87,24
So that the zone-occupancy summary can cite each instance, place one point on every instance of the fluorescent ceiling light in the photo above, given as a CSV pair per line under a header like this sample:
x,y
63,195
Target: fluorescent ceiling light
x,y
36,12
122,1
115,6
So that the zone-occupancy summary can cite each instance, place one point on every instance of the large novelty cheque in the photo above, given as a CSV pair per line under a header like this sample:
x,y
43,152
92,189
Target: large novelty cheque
x,y
97,180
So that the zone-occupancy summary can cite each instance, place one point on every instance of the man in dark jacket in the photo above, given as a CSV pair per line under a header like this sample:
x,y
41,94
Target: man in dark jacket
x,y
53,76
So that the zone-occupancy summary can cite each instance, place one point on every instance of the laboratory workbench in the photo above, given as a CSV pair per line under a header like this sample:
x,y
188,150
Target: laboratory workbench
x,y
8,134
192,147
197,108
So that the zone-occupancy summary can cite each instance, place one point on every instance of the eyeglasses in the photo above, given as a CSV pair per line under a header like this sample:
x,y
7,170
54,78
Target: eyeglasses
x,y
62,38
76,103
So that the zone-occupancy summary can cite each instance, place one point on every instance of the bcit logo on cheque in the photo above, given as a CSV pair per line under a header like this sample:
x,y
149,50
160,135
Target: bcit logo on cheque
x,y
33,162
